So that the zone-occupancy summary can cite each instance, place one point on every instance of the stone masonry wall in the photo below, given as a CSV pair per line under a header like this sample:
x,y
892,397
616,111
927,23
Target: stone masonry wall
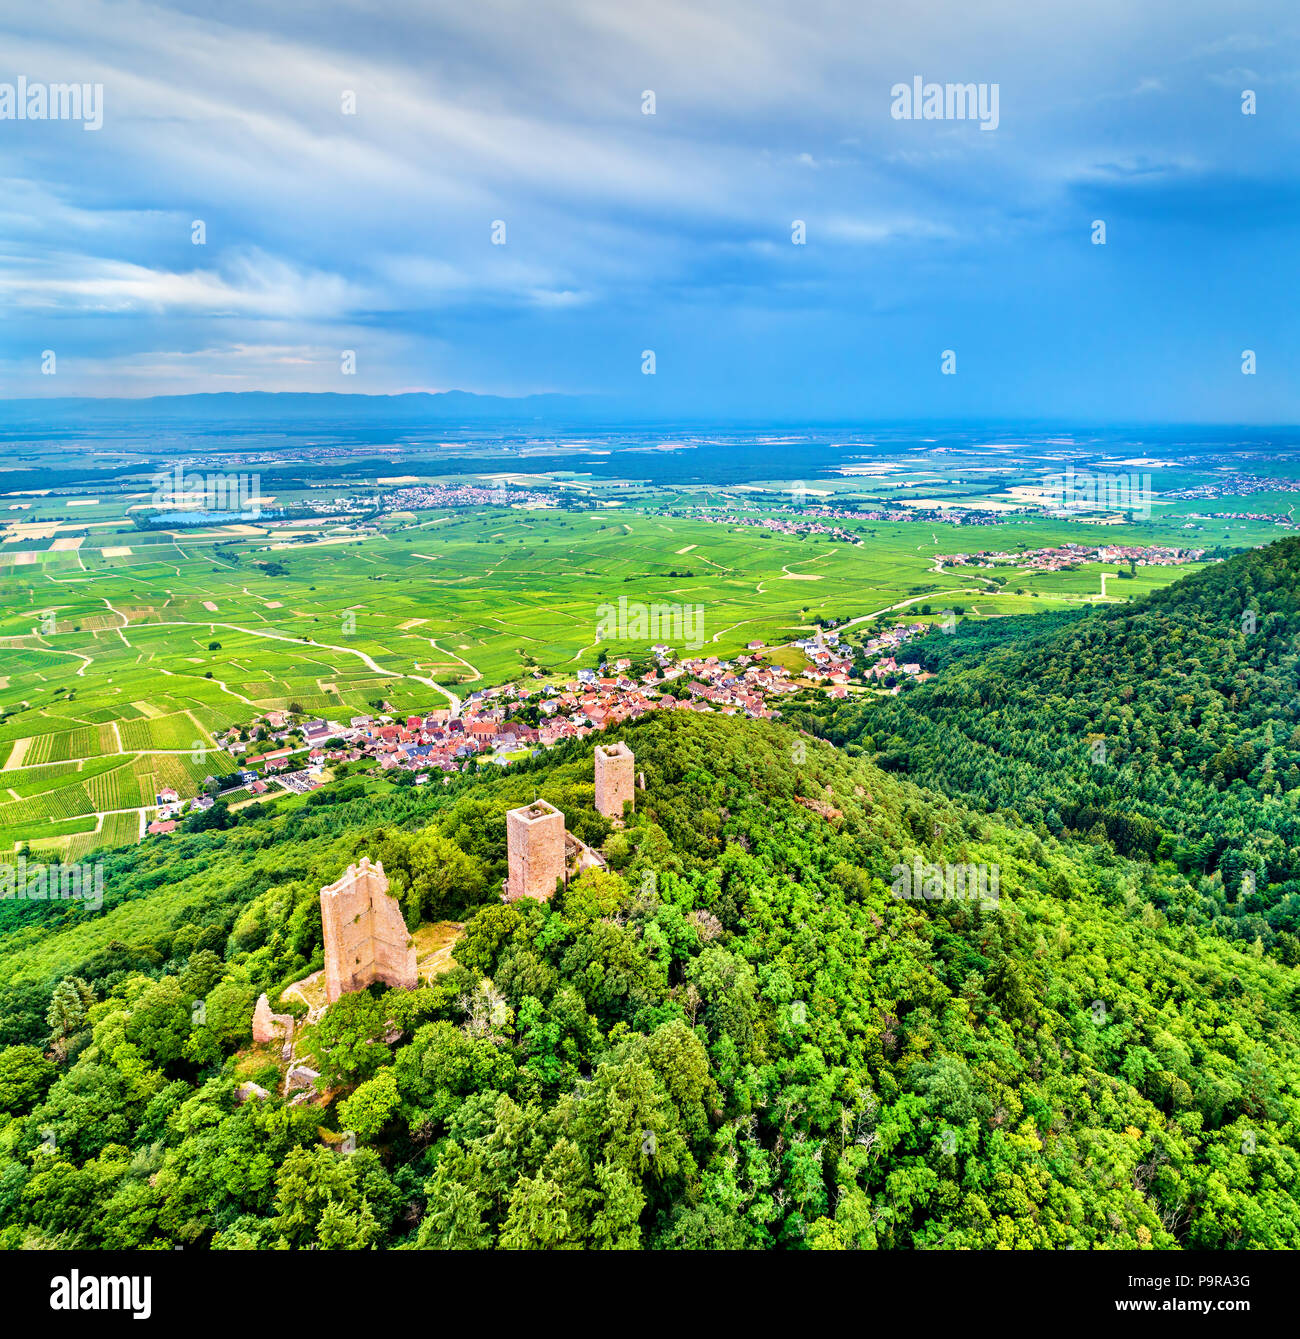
x,y
366,939
535,849
269,1027
615,778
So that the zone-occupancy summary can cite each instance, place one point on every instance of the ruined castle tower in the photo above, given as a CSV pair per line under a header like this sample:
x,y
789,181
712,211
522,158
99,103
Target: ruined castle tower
x,y
269,1027
615,778
535,848
366,939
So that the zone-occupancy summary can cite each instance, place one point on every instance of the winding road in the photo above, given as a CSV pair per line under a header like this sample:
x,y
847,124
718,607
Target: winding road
x,y
365,658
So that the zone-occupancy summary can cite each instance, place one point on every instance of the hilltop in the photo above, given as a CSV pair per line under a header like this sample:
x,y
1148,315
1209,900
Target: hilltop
x,y
737,1035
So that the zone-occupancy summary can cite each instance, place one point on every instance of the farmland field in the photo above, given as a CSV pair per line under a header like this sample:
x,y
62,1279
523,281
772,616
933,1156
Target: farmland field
x,y
121,657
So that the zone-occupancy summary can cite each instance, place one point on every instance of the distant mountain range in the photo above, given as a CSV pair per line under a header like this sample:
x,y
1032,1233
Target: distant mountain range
x,y
456,407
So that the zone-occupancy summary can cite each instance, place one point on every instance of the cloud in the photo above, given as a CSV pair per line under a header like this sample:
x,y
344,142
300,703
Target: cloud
x,y
254,285
327,229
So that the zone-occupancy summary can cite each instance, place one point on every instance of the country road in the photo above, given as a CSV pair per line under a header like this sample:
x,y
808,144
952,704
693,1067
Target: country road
x,y
366,659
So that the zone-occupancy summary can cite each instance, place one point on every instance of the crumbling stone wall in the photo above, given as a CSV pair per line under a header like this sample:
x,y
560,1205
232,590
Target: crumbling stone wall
x,y
269,1027
366,939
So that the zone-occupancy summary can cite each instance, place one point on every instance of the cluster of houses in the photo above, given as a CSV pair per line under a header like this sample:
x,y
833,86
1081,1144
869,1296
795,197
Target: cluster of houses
x,y
1148,555
697,683
811,519
884,648
489,728
828,659
1061,556
425,497
832,661
809,523
1232,483
489,725
1268,517
171,806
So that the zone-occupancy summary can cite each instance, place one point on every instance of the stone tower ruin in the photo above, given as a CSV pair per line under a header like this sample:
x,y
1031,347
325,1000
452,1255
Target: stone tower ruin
x,y
366,939
535,849
615,778
269,1027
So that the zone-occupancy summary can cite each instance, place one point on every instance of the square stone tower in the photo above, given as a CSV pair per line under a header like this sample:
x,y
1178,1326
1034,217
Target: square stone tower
x,y
535,850
366,939
615,778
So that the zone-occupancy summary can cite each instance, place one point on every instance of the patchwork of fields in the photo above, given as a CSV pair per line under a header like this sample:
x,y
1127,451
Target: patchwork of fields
x,y
120,657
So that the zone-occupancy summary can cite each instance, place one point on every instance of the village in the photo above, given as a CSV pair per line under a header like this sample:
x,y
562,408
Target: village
x,y
1061,556
811,519
425,497
278,753
811,523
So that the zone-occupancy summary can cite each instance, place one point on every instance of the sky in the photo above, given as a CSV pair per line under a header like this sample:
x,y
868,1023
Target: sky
x,y
513,198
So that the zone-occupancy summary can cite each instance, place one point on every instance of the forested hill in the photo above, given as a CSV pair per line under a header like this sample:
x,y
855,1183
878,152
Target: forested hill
x,y
735,1037
1168,727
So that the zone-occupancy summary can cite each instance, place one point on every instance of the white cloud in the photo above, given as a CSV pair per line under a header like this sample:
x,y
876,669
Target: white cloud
x,y
332,224
255,285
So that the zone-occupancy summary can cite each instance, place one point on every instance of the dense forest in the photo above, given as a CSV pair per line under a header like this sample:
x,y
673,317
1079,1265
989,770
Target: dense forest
x,y
1168,729
736,1036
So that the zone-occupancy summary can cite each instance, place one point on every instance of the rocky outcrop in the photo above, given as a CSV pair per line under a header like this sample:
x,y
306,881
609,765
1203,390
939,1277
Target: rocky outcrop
x,y
300,1077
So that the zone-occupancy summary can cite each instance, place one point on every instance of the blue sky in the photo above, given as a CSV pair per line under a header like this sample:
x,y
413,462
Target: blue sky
x,y
625,232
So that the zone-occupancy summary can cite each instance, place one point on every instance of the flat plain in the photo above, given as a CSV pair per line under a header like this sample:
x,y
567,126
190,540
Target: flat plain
x,y
125,651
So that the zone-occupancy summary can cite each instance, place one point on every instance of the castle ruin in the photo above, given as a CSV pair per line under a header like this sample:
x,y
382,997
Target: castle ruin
x,y
535,851
541,851
615,778
270,1027
366,939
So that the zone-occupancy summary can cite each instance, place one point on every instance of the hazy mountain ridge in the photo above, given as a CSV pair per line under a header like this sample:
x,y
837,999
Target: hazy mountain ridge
x,y
270,407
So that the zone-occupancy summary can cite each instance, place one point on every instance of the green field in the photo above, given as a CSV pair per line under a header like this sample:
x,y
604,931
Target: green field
x,y
120,657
